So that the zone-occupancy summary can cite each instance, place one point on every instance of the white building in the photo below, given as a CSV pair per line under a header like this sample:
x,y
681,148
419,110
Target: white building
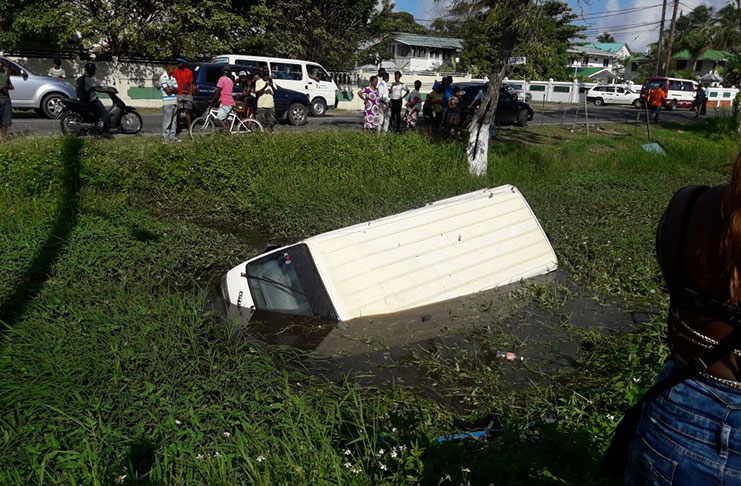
x,y
600,61
415,53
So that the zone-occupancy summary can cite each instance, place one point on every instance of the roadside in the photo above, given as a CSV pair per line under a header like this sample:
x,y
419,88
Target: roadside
x,y
114,359
28,123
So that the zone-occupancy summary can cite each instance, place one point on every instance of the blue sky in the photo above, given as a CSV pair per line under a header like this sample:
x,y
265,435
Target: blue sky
x,y
636,37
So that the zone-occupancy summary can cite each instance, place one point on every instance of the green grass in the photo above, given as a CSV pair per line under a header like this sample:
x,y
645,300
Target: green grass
x,y
110,367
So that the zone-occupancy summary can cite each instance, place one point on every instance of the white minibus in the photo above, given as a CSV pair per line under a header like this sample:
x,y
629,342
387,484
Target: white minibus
x,y
302,76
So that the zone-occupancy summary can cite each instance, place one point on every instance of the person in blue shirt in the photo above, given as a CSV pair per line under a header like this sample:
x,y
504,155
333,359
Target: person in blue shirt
x,y
447,91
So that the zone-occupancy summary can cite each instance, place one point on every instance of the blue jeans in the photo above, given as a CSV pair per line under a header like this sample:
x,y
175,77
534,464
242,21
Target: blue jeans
x,y
691,435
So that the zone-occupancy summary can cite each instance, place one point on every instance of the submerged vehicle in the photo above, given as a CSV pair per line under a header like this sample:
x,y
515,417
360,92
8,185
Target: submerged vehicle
x,y
443,250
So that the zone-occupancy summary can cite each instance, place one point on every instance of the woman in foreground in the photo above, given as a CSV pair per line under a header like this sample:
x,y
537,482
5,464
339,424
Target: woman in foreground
x,y
691,434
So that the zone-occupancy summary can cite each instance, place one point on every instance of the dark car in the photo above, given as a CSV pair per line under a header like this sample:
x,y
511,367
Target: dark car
x,y
510,111
290,106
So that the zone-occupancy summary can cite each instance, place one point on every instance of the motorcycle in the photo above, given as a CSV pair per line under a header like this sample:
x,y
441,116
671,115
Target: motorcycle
x,y
78,118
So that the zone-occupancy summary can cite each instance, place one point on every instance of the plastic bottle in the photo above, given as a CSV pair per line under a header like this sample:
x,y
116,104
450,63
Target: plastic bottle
x,y
509,356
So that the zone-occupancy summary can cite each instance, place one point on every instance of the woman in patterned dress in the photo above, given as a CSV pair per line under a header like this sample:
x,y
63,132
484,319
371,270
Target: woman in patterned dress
x,y
370,96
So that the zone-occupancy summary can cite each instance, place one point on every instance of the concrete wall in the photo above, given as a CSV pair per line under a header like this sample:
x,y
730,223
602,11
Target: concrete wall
x,y
136,82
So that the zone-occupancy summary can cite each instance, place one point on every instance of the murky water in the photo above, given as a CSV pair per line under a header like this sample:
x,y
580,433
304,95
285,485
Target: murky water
x,y
543,320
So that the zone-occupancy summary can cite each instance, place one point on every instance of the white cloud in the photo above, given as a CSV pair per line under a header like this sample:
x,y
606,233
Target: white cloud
x,y
639,37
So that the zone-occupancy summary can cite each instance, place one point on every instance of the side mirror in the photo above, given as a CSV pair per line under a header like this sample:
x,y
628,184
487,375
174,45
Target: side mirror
x,y
24,74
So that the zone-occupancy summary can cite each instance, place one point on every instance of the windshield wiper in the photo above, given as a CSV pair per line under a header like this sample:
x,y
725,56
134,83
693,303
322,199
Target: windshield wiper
x,y
280,285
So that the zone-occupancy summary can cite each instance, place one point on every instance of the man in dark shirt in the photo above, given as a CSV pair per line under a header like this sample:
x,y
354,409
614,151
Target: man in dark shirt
x,y
5,104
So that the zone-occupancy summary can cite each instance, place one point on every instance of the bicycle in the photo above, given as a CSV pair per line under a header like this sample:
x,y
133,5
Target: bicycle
x,y
207,124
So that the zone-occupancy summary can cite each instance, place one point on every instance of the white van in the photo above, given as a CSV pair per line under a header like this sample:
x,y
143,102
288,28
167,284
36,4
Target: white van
x,y
446,249
680,93
302,76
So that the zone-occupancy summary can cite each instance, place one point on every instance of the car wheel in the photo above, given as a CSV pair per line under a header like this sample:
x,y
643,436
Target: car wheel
x,y
637,103
318,107
51,105
522,118
131,123
296,114
599,102
672,106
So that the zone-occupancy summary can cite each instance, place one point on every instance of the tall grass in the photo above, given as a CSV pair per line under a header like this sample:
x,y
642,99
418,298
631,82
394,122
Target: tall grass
x,y
110,370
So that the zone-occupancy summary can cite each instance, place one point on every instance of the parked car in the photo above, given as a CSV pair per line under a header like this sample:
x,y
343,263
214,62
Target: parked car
x,y
305,77
41,93
517,90
680,93
613,94
441,251
290,106
510,110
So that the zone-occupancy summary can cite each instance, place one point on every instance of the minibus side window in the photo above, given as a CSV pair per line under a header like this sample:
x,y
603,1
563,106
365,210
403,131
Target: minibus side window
x,y
287,71
317,73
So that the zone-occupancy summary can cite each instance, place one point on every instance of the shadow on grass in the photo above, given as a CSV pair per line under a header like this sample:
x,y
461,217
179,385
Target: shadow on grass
x,y
545,455
710,127
33,279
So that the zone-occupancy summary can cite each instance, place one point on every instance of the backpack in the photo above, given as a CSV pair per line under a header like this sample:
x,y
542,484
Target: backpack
x,y
82,94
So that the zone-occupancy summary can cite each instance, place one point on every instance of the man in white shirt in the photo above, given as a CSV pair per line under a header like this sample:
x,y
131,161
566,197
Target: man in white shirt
x,y
168,86
384,109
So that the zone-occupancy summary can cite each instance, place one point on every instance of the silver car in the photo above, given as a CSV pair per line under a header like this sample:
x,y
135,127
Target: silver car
x,y
41,93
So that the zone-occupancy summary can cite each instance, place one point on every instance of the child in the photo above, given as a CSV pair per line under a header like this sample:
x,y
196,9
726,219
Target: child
x,y
413,106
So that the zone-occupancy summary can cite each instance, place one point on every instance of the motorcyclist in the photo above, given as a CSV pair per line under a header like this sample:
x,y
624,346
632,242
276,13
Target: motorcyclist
x,y
87,90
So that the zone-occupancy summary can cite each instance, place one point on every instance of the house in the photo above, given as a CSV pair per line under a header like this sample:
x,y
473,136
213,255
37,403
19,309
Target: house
x,y
414,53
600,61
704,66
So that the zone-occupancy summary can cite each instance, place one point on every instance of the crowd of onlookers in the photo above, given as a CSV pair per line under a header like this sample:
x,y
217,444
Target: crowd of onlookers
x,y
384,102
177,86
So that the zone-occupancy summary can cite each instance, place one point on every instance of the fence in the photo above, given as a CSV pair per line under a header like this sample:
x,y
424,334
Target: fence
x,y
136,82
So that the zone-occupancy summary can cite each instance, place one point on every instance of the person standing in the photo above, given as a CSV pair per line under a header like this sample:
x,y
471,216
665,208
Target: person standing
x,y
384,110
186,89
447,90
169,88
56,70
706,95
244,106
6,106
265,91
699,100
690,433
435,100
656,99
369,95
414,105
397,92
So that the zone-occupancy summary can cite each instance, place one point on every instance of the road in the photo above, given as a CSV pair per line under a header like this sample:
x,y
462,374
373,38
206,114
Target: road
x,y
27,124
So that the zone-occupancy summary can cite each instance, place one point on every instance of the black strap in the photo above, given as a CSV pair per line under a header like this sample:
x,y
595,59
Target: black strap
x,y
697,191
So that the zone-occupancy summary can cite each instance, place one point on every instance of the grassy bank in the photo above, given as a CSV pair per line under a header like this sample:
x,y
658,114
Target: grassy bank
x,y
109,367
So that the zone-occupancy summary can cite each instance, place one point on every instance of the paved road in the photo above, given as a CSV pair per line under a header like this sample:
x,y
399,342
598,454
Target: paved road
x,y
27,124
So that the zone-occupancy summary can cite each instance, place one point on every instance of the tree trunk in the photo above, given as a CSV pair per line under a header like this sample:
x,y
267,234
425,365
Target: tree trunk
x,y
477,149
671,39
478,130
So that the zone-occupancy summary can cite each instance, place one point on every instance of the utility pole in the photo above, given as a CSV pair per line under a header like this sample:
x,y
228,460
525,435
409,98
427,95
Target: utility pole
x,y
671,38
661,39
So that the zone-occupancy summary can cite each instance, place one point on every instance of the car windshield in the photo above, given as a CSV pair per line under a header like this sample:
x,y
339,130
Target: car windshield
x,y
654,83
287,281
17,66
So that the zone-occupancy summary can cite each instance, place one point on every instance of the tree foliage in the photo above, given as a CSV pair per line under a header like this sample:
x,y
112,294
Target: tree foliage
x,y
605,37
547,33
326,31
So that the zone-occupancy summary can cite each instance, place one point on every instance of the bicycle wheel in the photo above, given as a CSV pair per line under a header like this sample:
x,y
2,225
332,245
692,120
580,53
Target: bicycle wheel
x,y
203,125
248,125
